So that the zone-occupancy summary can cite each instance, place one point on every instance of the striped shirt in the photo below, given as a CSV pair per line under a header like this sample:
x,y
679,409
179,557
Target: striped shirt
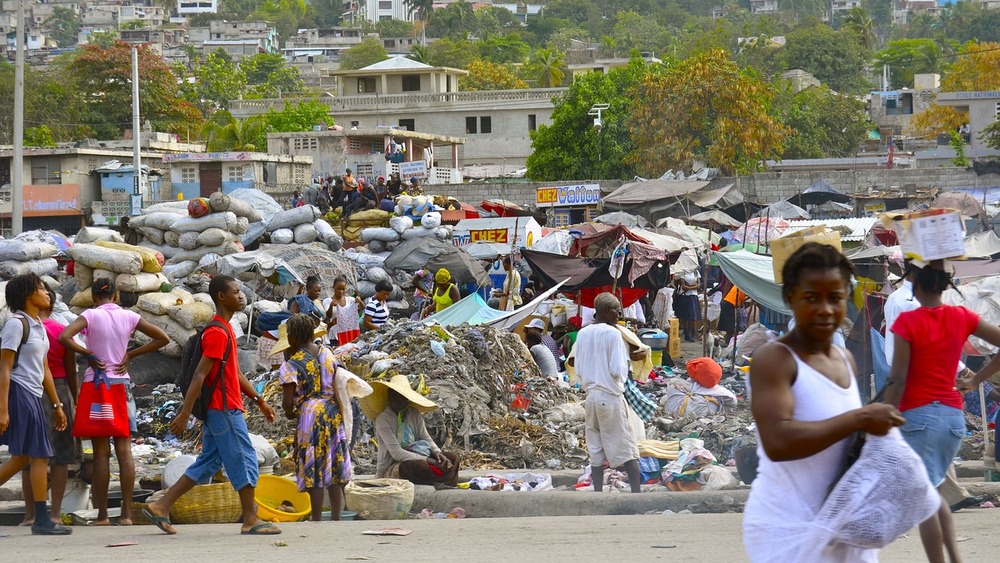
x,y
377,310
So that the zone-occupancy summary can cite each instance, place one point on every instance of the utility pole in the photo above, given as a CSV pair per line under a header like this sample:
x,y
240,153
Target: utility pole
x,y
136,148
17,162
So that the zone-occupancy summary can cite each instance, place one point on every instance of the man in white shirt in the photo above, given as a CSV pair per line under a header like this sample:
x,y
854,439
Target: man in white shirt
x,y
602,362
899,302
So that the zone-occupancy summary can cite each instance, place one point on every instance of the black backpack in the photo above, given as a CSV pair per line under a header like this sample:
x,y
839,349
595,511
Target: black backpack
x,y
25,332
190,357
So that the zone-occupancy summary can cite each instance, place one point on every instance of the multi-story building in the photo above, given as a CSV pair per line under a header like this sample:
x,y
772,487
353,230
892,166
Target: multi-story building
x,y
378,10
403,93
149,16
191,7
311,44
838,6
763,6
262,33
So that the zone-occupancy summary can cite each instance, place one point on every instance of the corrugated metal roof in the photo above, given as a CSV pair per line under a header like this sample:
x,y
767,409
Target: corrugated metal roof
x,y
859,226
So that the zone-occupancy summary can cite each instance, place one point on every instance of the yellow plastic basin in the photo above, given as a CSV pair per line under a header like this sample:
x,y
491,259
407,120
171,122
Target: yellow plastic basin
x,y
272,491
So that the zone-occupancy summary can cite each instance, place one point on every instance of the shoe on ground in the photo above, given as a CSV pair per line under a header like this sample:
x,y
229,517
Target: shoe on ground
x,y
968,502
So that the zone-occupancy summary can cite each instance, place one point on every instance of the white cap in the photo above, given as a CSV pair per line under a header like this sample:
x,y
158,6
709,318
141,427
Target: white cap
x,y
536,323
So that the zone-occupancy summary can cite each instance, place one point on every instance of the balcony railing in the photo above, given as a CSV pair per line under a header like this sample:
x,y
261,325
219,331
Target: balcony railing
x,y
347,103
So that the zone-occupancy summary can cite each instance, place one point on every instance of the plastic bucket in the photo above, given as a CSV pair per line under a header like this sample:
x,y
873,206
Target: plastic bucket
x,y
77,496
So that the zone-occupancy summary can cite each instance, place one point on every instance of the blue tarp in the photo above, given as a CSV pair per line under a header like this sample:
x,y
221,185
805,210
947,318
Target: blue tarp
x,y
752,273
471,309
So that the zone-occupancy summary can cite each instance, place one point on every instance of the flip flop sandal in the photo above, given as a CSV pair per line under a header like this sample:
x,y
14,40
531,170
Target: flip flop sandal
x,y
260,530
159,521
55,530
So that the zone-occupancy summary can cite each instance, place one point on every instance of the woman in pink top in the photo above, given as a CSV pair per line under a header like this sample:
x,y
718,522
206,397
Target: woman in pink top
x,y
108,329
65,448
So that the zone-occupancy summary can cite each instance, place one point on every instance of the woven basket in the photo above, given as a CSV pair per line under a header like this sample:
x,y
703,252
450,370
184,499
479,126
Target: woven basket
x,y
217,503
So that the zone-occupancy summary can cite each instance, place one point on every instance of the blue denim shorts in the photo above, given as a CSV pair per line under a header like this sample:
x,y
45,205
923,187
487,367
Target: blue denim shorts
x,y
225,442
935,432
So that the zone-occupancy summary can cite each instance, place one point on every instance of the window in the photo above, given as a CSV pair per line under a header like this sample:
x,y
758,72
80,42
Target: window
x,y
234,173
300,174
532,122
376,147
384,4
189,175
407,124
411,82
470,126
485,124
355,124
305,143
364,170
366,85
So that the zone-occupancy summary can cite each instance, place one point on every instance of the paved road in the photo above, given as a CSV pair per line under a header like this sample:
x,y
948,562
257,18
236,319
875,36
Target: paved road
x,y
695,537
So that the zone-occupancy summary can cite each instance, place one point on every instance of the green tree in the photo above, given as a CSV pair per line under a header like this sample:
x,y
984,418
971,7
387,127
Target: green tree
x,y
104,79
907,57
40,136
704,108
456,21
486,75
548,68
395,28
223,133
239,9
503,49
454,54
368,52
957,143
216,81
269,75
835,58
858,22
635,31
991,135
421,54
571,148
288,16
568,38
298,117
422,9
103,39
975,69
132,24
824,124
65,26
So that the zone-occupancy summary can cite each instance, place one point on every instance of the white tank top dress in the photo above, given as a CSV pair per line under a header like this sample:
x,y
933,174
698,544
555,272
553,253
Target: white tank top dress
x,y
786,495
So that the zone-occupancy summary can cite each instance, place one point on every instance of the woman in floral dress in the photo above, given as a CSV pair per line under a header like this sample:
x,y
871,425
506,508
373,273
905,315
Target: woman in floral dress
x,y
322,457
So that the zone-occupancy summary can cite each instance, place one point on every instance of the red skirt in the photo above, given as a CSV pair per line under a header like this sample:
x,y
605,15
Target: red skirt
x,y
347,337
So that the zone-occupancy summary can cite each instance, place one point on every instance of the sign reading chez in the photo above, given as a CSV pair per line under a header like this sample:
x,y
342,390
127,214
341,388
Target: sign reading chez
x,y
563,196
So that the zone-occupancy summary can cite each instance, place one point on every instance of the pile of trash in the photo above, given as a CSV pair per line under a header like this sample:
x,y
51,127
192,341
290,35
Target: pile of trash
x,y
32,252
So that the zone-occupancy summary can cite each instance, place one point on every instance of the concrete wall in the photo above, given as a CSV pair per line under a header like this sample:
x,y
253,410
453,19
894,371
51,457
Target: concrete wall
x,y
769,187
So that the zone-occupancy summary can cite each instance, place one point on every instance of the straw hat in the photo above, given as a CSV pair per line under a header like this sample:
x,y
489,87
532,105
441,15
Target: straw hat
x,y
374,404
282,344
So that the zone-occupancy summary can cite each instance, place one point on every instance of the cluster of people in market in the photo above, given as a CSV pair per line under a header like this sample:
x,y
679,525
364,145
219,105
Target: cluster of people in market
x,y
640,333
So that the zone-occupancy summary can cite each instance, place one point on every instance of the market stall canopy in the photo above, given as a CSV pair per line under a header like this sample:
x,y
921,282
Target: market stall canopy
x,y
622,218
832,208
474,311
714,217
723,198
634,193
819,193
982,245
307,260
784,209
759,230
556,242
752,273
667,242
963,202
597,240
482,250
591,276
426,252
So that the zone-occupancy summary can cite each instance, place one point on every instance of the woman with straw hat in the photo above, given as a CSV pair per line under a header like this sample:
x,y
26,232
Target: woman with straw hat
x,y
405,449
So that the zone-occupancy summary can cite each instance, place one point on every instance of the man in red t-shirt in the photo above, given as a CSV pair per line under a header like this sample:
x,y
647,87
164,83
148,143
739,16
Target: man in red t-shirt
x,y
225,438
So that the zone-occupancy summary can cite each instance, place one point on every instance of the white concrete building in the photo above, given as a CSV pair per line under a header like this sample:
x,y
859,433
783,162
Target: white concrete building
x,y
191,7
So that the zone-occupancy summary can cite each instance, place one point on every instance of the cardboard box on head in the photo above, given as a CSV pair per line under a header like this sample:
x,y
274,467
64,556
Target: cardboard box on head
x,y
783,248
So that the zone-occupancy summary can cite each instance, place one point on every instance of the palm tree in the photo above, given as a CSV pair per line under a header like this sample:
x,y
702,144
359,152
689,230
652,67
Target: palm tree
x,y
549,66
422,9
421,54
223,133
609,47
858,21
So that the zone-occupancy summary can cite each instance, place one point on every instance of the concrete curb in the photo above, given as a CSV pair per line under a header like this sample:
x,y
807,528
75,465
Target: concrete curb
x,y
488,504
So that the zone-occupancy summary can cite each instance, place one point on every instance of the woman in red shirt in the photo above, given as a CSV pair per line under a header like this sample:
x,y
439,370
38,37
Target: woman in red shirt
x,y
922,383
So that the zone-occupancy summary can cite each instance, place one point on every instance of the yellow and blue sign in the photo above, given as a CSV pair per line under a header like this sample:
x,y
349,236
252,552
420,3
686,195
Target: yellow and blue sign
x,y
565,196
